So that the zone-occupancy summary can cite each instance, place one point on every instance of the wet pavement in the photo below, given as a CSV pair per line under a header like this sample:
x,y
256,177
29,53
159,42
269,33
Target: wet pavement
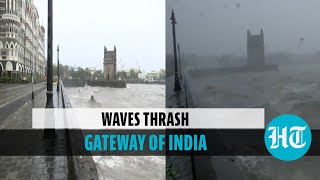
x,y
31,167
14,96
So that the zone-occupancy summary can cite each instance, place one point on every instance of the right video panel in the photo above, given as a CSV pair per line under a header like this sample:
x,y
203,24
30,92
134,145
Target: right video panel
x,y
245,54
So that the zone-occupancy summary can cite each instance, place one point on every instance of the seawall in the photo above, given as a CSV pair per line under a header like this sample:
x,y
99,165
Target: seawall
x,y
74,83
231,70
107,83
80,167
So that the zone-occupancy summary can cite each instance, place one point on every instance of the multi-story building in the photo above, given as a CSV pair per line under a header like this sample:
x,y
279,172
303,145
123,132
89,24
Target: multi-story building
x,y
22,40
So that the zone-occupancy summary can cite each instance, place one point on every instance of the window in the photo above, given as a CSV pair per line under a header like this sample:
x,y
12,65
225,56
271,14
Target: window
x,y
3,52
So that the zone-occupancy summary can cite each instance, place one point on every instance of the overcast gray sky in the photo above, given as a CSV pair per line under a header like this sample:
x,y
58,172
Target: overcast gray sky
x,y
82,28
219,26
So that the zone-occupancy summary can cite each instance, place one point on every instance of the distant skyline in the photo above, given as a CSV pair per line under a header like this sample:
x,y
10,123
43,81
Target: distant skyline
x,y
217,27
82,29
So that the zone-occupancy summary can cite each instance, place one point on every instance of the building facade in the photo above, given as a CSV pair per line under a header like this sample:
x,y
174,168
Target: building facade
x,y
151,76
110,64
22,40
255,49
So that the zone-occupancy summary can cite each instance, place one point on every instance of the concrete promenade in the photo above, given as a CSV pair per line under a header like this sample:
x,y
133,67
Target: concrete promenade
x,y
17,114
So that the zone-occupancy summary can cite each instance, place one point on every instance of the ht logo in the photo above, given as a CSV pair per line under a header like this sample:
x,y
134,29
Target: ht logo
x,y
295,131
287,137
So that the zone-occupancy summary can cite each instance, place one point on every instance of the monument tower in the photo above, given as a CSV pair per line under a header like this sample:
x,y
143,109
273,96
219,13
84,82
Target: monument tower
x,y
255,49
110,64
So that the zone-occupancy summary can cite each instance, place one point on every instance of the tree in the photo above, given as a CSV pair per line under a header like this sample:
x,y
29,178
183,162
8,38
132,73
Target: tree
x,y
122,74
162,74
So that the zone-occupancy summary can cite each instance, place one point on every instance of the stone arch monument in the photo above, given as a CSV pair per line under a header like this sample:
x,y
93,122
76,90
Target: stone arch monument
x,y
110,64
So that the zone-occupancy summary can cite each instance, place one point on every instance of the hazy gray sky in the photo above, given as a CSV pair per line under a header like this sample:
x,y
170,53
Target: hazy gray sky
x,y
219,26
83,27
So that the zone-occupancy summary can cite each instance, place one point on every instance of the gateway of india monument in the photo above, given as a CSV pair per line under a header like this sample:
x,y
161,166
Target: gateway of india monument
x,y
109,71
110,64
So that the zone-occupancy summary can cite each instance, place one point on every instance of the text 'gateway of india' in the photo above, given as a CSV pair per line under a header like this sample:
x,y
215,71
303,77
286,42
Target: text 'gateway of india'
x,y
110,64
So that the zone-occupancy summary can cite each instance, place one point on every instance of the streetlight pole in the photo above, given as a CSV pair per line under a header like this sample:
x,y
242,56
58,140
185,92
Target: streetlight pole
x,y
180,70
58,71
177,86
49,133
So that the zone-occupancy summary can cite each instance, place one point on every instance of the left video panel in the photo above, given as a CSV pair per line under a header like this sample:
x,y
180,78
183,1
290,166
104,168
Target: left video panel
x,y
105,54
